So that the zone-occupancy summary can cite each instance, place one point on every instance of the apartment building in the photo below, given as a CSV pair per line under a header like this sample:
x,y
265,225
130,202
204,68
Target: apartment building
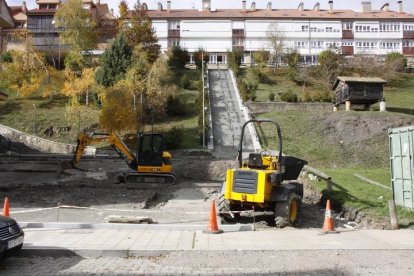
x,y
6,21
309,30
45,36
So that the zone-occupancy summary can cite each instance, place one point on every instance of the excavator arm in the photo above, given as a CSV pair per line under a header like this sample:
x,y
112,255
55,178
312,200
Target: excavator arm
x,y
93,138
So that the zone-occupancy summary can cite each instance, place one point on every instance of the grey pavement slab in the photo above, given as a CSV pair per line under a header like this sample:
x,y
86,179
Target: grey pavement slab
x,y
138,242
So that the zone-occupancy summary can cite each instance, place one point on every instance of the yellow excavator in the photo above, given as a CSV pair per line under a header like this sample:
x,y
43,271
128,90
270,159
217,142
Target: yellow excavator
x,y
265,182
150,165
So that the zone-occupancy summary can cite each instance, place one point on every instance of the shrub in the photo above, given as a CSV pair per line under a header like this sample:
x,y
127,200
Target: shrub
x,y
7,57
289,96
185,81
306,97
324,96
175,106
174,137
272,96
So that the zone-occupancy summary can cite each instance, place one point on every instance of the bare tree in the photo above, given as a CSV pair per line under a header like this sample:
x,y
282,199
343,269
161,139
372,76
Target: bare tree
x,y
276,39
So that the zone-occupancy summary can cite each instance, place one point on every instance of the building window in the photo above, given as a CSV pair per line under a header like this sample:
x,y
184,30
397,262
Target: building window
x,y
174,42
174,25
347,25
238,32
329,29
389,27
238,41
408,27
305,28
347,43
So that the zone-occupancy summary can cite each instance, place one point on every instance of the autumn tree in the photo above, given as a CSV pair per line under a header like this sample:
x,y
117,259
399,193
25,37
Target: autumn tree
x,y
139,31
28,74
115,62
118,111
145,87
78,26
76,87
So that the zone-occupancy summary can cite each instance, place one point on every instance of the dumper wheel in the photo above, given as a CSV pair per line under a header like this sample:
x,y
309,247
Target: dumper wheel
x,y
224,207
286,212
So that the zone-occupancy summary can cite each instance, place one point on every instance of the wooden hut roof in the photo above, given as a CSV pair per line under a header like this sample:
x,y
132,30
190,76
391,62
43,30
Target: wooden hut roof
x,y
357,79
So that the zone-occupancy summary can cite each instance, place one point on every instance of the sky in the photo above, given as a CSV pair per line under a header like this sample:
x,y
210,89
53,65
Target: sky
x,y
260,4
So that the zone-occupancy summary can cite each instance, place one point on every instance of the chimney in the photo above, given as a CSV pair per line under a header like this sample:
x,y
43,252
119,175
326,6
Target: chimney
x,y
331,9
386,7
24,7
253,8
301,6
366,6
159,6
168,6
112,12
400,7
244,5
269,6
317,7
206,5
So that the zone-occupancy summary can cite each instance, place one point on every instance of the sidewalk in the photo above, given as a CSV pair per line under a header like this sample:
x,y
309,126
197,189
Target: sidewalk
x,y
126,242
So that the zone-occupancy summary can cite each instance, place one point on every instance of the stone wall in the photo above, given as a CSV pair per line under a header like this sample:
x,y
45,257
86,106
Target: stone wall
x,y
262,107
40,144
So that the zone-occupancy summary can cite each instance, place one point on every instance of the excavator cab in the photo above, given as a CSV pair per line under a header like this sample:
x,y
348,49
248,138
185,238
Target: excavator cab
x,y
150,150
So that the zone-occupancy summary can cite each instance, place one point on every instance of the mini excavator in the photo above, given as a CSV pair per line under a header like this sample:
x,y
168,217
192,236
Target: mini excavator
x,y
151,164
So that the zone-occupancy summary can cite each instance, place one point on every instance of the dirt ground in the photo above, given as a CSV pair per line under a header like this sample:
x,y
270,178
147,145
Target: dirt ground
x,y
94,194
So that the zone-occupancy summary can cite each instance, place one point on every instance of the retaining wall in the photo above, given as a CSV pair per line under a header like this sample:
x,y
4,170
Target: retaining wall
x,y
41,144
261,107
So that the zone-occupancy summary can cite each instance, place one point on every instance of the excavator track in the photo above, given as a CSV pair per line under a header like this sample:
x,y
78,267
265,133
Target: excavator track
x,y
132,178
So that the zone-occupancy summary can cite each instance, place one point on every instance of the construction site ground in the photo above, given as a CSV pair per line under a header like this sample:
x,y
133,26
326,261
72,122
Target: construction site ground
x,y
41,189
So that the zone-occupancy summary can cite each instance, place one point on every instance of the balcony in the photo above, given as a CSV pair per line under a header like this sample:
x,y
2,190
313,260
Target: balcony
x,y
347,34
174,33
408,51
347,50
238,48
238,33
408,34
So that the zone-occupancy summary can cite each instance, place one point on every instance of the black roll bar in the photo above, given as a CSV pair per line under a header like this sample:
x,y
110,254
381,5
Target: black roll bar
x,y
279,135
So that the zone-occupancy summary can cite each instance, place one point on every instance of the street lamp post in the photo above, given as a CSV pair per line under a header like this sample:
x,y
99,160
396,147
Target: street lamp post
x,y
202,73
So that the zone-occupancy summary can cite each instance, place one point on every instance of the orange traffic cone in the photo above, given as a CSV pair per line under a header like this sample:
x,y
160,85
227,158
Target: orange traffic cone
x,y
6,210
328,225
212,225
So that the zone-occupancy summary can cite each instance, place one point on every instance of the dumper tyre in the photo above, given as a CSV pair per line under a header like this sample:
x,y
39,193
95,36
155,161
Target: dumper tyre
x,y
286,212
224,208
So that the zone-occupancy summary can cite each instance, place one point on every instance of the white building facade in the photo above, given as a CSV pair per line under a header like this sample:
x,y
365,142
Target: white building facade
x,y
309,31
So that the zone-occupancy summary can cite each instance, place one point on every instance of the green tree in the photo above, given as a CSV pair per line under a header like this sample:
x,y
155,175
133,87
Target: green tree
x,y
115,62
178,57
139,31
78,26
234,58
261,57
397,61
330,62
199,56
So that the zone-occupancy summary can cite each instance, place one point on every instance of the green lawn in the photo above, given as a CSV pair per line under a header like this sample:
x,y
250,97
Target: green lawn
x,y
399,94
370,199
